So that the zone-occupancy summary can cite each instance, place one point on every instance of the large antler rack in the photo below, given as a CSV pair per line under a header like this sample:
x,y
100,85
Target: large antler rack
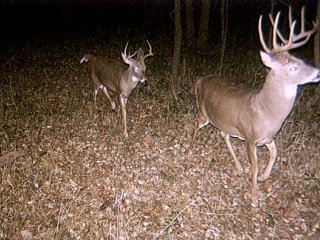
x,y
294,41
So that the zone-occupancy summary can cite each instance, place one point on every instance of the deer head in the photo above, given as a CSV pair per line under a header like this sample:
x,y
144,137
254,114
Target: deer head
x,y
137,66
283,65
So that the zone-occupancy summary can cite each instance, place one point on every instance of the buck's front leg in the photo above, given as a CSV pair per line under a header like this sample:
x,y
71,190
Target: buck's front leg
x,y
273,155
123,103
226,139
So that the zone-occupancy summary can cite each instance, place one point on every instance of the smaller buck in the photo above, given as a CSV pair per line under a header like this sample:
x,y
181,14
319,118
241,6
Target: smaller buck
x,y
108,74
256,116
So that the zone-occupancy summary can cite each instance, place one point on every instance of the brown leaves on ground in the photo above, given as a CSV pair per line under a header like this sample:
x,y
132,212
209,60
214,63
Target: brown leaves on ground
x,y
78,178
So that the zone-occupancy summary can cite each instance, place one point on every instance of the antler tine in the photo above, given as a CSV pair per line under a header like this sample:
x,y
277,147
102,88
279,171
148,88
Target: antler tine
x,y
131,56
282,38
150,51
125,52
291,37
302,19
263,43
290,16
275,30
315,25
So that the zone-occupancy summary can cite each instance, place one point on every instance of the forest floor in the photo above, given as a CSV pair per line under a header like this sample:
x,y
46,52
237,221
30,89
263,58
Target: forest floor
x,y
67,172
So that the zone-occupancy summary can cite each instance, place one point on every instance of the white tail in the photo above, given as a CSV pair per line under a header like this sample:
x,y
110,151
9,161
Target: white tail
x,y
251,115
108,74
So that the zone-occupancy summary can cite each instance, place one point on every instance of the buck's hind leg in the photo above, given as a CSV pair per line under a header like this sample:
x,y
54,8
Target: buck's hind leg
x,y
97,85
226,139
202,120
105,91
95,93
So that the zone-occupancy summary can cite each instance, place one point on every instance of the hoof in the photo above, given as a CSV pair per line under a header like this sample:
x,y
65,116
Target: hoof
x,y
239,169
255,201
113,105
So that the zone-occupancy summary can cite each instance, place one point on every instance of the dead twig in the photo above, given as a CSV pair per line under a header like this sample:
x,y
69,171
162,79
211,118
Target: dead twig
x,y
174,219
10,157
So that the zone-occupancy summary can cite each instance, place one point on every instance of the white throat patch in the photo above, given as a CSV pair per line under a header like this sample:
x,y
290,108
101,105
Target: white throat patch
x,y
135,79
290,91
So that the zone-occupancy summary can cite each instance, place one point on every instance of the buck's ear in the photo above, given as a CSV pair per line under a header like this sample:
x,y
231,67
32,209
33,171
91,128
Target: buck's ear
x,y
140,54
267,59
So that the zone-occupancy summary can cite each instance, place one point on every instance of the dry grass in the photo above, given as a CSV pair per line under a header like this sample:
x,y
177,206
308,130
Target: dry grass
x,y
67,173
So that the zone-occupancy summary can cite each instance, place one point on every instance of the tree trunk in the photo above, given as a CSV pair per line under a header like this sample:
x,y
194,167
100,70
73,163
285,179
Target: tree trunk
x,y
312,101
204,23
224,28
317,40
189,21
177,39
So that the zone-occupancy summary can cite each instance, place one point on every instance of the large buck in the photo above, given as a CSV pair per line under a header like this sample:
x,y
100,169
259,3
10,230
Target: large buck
x,y
108,74
256,116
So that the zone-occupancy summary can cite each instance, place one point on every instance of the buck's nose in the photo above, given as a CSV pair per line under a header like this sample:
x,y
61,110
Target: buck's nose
x,y
144,81
143,78
317,79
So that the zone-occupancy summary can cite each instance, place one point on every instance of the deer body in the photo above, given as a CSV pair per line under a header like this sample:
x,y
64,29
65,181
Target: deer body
x,y
255,116
112,75
239,118
108,74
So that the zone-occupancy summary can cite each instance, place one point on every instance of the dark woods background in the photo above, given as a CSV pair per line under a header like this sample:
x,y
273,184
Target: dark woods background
x,y
28,19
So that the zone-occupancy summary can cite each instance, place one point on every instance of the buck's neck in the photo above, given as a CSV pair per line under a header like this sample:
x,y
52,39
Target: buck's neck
x,y
128,81
277,97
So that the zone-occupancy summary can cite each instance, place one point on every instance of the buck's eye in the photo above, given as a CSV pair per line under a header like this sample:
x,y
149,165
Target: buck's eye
x,y
293,69
136,69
